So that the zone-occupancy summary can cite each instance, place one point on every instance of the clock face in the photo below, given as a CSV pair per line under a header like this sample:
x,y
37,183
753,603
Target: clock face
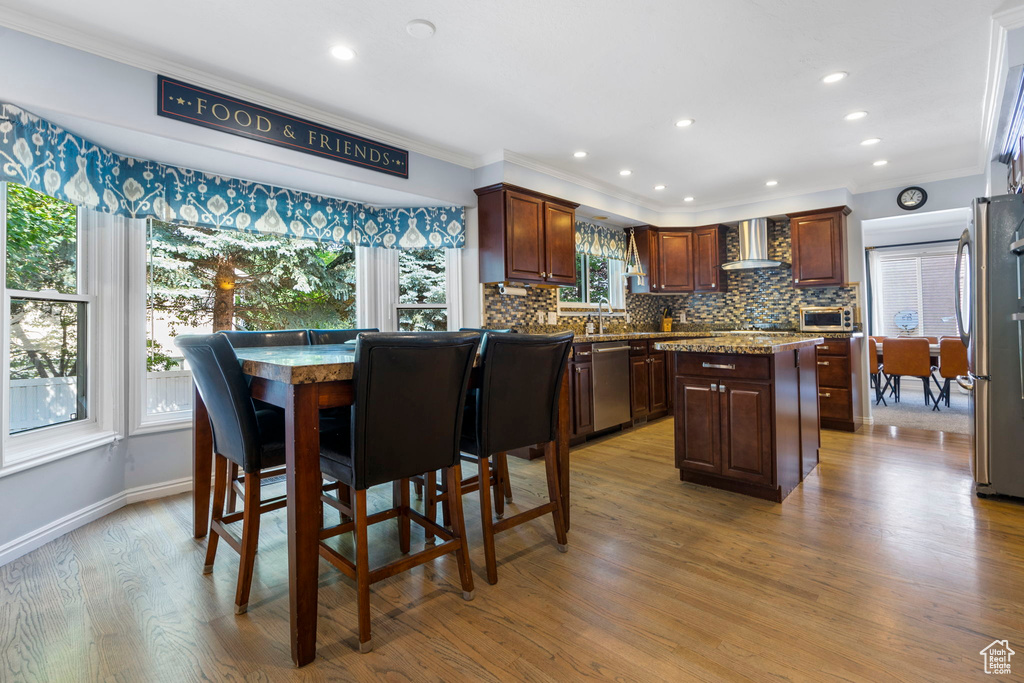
x,y
906,320
912,198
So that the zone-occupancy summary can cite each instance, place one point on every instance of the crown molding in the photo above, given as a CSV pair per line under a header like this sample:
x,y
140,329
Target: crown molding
x,y
899,183
108,49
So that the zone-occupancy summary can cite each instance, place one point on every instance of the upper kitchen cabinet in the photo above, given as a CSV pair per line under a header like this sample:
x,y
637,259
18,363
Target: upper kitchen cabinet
x,y
819,247
526,236
680,259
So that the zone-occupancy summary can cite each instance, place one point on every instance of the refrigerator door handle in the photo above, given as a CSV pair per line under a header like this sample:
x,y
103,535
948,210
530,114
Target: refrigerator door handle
x,y
965,382
965,335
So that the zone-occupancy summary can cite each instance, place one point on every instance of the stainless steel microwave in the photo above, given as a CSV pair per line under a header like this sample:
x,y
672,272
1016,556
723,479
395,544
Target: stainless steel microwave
x,y
826,318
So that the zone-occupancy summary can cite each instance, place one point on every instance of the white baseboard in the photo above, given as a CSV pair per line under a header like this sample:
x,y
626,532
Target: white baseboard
x,y
32,540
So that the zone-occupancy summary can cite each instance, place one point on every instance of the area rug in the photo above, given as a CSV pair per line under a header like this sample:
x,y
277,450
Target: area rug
x,y
911,411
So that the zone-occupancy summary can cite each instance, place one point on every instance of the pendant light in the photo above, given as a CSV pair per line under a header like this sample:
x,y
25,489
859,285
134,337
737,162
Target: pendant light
x,y
633,268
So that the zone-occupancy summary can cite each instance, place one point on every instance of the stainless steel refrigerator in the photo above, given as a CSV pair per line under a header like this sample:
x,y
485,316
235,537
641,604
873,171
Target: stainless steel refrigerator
x,y
990,314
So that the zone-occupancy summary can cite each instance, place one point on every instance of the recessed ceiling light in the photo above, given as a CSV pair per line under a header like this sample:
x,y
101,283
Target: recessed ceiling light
x,y
771,183
659,187
580,154
854,115
625,171
881,162
870,141
834,77
687,199
420,28
683,123
343,52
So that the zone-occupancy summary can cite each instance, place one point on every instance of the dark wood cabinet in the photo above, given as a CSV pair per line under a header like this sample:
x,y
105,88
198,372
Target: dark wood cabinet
x,y
819,247
679,260
581,391
648,379
839,370
740,421
675,261
639,386
526,236
656,382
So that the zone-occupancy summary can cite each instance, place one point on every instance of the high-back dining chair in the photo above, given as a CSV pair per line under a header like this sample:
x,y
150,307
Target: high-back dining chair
x,y
242,437
952,363
875,369
483,330
242,339
337,336
515,408
908,357
407,411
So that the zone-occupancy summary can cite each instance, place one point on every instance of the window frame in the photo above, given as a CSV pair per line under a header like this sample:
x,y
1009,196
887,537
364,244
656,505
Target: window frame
x,y
896,252
617,295
377,299
100,249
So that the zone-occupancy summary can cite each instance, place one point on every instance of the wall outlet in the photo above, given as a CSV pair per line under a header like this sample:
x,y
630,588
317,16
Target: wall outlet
x,y
552,318
682,316
627,318
540,317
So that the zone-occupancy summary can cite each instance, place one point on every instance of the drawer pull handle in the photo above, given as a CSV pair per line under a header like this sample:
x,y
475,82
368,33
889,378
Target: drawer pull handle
x,y
583,353
714,388
721,388
823,348
825,395
822,362
577,370
719,366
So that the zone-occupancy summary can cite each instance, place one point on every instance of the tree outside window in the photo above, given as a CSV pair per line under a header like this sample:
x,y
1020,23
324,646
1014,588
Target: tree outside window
x,y
422,290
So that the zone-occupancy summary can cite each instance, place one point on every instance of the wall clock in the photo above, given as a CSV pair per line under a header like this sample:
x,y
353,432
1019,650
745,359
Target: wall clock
x,y
911,198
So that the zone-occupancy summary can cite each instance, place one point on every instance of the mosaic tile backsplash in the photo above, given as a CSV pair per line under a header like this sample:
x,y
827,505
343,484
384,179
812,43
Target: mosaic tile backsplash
x,y
763,298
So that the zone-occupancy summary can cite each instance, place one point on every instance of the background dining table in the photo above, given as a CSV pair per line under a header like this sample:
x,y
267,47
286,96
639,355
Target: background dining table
x,y
303,380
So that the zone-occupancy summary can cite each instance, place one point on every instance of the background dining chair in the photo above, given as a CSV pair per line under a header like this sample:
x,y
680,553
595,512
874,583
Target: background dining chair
x,y
516,409
952,363
908,357
242,436
409,396
242,339
336,336
876,372
483,330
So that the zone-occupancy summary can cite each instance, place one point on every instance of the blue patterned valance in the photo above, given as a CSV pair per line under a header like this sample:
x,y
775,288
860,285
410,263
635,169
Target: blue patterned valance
x,y
598,240
47,158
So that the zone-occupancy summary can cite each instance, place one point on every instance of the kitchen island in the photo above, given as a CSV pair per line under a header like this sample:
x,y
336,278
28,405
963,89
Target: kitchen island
x,y
746,410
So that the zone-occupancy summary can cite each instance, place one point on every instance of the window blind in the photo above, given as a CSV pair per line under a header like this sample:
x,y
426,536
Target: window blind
x,y
922,283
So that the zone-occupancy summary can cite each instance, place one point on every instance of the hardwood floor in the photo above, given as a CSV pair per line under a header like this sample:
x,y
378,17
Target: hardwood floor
x,y
881,566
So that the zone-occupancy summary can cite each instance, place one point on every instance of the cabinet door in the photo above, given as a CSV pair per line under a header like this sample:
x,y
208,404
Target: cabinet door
x,y
675,261
810,434
746,423
707,275
639,386
560,244
582,398
524,237
697,425
818,250
656,380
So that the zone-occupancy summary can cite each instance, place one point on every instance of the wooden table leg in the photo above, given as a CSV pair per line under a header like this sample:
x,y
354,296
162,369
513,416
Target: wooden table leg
x,y
202,466
302,461
562,447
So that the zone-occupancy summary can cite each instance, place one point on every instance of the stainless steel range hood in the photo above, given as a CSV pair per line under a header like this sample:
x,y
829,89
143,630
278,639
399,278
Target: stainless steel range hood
x,y
753,247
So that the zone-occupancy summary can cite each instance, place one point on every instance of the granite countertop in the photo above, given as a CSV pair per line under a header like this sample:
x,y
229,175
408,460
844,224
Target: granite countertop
x,y
753,343
698,334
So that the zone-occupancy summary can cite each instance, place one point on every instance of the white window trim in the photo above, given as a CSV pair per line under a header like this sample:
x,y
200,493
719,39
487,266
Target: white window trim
x,y
617,299
101,250
878,254
377,288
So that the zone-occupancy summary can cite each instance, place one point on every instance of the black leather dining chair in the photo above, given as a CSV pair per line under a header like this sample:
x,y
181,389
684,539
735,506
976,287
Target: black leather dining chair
x,y
242,339
242,436
516,406
408,400
336,336
482,330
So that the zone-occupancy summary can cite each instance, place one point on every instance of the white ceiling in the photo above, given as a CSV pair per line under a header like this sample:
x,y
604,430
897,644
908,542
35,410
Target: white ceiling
x,y
541,79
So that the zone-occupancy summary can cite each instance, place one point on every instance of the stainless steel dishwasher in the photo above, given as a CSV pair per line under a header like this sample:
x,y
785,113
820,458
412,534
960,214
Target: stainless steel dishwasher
x,y
611,384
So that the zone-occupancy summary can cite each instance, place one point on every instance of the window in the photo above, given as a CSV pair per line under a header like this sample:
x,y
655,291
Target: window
x,y
48,311
422,290
201,280
596,278
917,281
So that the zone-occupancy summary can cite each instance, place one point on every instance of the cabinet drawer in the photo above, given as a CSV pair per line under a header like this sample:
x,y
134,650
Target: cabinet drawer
x,y
834,371
834,403
638,347
582,353
724,365
834,347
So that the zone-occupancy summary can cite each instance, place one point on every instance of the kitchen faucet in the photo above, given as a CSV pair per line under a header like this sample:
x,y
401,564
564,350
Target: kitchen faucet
x,y
600,318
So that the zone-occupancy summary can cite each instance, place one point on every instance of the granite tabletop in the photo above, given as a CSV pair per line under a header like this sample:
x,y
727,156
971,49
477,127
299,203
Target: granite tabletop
x,y
751,343
698,334
299,364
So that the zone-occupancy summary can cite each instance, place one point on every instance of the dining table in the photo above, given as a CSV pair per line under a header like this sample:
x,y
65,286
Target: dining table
x,y
303,380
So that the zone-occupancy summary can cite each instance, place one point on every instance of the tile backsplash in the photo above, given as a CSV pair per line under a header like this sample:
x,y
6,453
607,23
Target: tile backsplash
x,y
764,297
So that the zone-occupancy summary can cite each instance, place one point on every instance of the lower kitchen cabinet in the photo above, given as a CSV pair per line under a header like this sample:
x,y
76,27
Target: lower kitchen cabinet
x,y
747,423
581,391
648,379
839,370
